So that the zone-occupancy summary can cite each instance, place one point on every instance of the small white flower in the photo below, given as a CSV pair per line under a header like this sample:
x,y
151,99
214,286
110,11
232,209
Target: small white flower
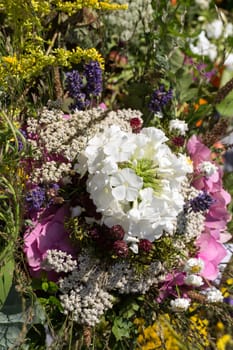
x,y
76,211
229,61
228,30
204,4
203,47
158,115
179,125
194,265
125,185
193,280
180,304
208,168
214,29
214,295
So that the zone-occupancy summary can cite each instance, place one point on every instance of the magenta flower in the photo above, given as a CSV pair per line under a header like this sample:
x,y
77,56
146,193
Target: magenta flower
x,y
198,151
48,233
211,249
211,252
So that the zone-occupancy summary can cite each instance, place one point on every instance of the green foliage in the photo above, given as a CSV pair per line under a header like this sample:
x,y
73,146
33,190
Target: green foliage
x,y
16,317
225,107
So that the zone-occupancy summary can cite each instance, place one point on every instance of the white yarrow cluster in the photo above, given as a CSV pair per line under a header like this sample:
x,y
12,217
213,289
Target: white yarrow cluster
x,y
65,136
214,295
180,304
86,291
59,261
135,181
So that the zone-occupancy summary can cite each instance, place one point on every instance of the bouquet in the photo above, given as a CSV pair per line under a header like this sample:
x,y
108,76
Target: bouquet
x,y
117,201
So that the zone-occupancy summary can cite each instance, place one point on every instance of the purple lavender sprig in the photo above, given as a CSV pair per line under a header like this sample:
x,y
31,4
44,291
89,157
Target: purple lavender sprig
x,y
200,203
160,98
81,87
93,74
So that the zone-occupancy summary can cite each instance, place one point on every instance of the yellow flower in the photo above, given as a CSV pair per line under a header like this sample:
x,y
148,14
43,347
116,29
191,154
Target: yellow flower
x,y
225,292
224,341
220,326
10,59
229,281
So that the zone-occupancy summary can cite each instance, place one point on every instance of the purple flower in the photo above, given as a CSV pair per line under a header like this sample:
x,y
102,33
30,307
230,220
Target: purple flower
x,y
93,74
20,142
201,203
160,98
35,198
74,84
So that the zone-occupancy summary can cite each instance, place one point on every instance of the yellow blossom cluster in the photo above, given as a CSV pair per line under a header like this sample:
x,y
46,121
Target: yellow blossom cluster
x,y
71,7
224,340
160,335
32,64
199,326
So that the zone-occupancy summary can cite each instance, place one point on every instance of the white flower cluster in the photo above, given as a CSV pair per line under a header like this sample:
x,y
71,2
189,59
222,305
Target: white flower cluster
x,y
204,4
133,21
193,280
178,125
180,304
212,35
67,136
208,168
190,224
87,304
50,172
135,181
214,295
192,268
124,278
59,261
86,291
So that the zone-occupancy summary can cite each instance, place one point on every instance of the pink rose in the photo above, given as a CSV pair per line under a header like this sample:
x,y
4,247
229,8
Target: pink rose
x,y
48,233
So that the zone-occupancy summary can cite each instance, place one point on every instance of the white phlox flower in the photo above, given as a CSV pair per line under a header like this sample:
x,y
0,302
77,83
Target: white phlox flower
x,y
135,181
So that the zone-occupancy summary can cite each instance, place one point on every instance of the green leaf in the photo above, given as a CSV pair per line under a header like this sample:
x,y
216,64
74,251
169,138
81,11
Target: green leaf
x,y
225,108
121,329
45,286
6,276
188,94
13,317
176,60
